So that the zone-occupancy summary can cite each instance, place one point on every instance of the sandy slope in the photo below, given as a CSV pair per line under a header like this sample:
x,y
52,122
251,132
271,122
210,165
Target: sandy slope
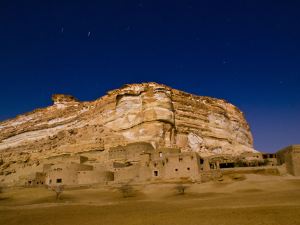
x,y
256,200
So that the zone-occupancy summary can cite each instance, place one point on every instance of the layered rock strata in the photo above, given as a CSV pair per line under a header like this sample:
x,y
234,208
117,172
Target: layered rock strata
x,y
147,112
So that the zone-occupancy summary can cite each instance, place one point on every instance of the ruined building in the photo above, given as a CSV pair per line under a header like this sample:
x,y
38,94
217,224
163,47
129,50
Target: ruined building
x,y
140,163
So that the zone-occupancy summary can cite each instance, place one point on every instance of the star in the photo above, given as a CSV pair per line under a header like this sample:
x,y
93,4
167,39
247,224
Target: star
x,y
225,61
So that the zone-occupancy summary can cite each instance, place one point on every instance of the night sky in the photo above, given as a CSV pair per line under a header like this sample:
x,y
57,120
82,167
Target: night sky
x,y
247,52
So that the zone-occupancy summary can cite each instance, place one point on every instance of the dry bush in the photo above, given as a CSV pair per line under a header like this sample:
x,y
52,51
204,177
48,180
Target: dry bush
x,y
127,190
181,189
58,189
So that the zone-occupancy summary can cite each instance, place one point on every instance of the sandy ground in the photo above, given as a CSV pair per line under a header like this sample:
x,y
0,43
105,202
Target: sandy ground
x,y
255,200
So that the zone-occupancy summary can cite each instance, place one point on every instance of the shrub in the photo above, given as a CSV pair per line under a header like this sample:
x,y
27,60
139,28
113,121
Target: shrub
x,y
58,189
180,188
127,190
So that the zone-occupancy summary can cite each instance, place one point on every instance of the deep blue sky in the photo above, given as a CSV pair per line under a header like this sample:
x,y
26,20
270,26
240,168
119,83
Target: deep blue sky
x,y
247,52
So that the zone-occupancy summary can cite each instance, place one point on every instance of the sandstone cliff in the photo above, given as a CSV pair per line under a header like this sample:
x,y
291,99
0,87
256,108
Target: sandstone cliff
x,y
147,112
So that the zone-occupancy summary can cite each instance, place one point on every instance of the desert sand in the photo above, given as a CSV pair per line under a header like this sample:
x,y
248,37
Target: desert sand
x,y
236,200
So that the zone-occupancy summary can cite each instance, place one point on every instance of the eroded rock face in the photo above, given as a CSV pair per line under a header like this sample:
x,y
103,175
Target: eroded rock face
x,y
147,112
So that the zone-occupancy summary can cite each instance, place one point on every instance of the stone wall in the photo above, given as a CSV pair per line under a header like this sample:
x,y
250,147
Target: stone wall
x,y
128,174
175,166
290,156
65,174
130,152
182,166
94,177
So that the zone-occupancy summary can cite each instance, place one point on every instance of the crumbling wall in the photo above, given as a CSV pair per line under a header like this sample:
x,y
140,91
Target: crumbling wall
x,y
127,174
65,174
130,152
183,165
94,177
290,156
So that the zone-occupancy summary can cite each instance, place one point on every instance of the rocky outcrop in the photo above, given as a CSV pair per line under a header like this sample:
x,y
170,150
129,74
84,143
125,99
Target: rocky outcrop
x,y
147,112
61,98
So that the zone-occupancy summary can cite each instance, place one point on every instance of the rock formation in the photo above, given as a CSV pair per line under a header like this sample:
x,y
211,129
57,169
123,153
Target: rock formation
x,y
147,112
